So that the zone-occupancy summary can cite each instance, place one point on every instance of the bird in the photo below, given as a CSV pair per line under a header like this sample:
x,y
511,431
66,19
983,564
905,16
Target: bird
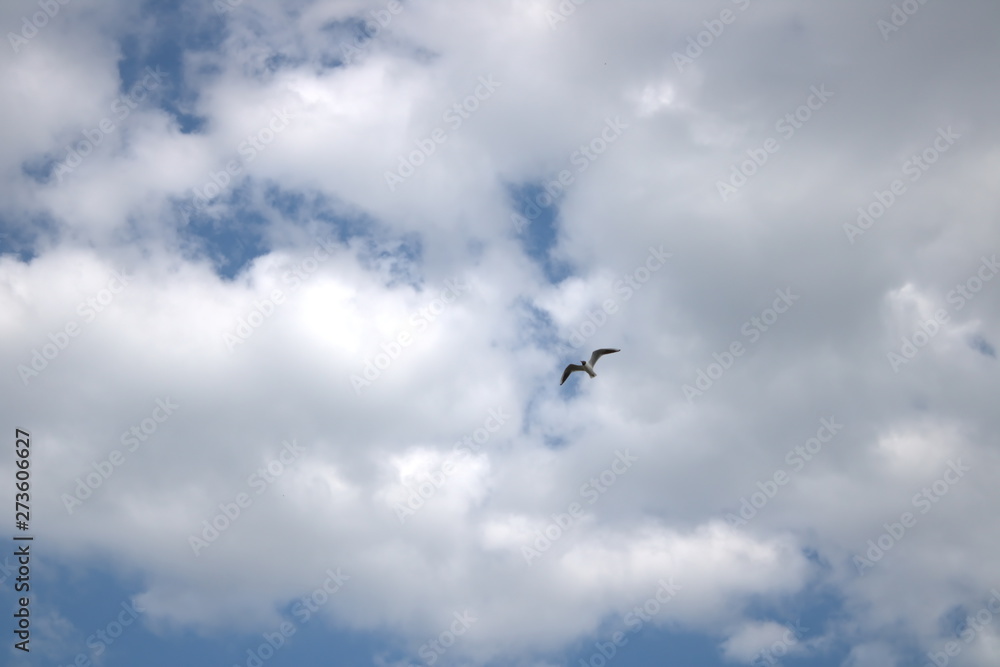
x,y
587,365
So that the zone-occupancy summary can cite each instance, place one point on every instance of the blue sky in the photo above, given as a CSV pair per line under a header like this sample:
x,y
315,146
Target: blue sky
x,y
286,291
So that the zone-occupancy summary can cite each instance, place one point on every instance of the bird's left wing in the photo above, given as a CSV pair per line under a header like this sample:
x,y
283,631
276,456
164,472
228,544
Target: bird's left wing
x,y
600,353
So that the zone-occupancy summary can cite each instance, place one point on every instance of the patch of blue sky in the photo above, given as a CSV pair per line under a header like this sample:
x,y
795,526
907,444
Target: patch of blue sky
x,y
535,326
806,612
280,61
535,220
351,28
40,167
982,346
645,644
231,241
952,622
310,640
231,231
163,50
555,441
398,257
23,240
350,38
397,260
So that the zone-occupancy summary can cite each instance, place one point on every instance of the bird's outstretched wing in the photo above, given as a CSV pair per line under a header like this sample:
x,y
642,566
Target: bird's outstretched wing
x,y
570,369
600,353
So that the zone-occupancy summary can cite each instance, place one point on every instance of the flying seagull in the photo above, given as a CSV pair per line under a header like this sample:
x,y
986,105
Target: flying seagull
x,y
587,365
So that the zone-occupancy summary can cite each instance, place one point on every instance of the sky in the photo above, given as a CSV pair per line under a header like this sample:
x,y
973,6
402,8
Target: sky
x,y
287,289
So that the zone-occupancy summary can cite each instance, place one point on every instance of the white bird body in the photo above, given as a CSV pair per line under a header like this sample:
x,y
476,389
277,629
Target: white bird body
x,y
587,366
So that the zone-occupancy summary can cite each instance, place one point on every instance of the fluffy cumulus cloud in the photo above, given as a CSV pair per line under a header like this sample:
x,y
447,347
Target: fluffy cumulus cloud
x,y
286,290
